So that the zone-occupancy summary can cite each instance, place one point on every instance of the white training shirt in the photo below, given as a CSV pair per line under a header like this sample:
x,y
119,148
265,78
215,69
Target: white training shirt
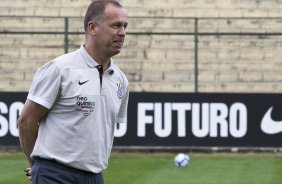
x,y
78,131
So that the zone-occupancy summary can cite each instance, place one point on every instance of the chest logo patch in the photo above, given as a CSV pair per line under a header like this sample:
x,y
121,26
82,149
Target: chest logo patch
x,y
84,105
81,83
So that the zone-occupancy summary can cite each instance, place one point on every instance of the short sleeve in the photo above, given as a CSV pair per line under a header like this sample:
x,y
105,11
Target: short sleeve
x,y
122,115
45,85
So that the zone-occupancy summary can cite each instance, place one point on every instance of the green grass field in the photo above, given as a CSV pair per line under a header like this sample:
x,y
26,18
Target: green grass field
x,y
158,168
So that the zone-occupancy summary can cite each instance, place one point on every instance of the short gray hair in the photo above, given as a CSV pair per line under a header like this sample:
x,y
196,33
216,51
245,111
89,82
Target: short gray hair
x,y
96,9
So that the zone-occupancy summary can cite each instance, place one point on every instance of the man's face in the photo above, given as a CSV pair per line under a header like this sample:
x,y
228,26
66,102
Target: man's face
x,y
110,31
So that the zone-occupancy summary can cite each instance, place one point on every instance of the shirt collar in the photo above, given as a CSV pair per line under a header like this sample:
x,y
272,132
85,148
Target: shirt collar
x,y
89,60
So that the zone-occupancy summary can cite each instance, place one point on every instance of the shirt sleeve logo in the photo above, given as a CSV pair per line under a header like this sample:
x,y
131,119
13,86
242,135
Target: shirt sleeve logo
x,y
120,93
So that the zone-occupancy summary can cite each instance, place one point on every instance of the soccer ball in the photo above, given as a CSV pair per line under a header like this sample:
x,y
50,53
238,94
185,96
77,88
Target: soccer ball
x,y
181,160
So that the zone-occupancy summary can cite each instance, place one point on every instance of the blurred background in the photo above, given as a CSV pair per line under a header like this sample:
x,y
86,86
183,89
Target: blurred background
x,y
219,52
205,76
171,46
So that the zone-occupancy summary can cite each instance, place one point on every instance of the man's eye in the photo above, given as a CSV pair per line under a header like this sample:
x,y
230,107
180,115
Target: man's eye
x,y
115,26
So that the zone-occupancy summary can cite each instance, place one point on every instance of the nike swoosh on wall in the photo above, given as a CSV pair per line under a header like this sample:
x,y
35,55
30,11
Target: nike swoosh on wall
x,y
268,125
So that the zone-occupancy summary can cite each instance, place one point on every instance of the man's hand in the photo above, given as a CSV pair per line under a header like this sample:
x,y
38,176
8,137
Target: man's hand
x,y
28,173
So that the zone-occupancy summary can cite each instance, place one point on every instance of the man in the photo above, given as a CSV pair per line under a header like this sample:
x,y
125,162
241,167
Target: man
x,y
67,124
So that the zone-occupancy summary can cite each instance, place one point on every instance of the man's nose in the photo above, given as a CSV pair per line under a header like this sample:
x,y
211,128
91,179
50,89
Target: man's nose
x,y
122,31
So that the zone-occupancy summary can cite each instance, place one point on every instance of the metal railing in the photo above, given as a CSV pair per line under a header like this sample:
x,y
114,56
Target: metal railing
x,y
203,30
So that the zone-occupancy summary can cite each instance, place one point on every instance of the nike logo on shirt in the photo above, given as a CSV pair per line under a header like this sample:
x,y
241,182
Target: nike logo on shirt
x,y
81,83
268,125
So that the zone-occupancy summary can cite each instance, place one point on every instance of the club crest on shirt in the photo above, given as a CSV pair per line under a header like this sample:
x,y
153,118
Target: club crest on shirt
x,y
120,93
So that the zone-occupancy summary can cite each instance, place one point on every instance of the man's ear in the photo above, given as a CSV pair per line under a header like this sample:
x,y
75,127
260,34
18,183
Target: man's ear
x,y
92,27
